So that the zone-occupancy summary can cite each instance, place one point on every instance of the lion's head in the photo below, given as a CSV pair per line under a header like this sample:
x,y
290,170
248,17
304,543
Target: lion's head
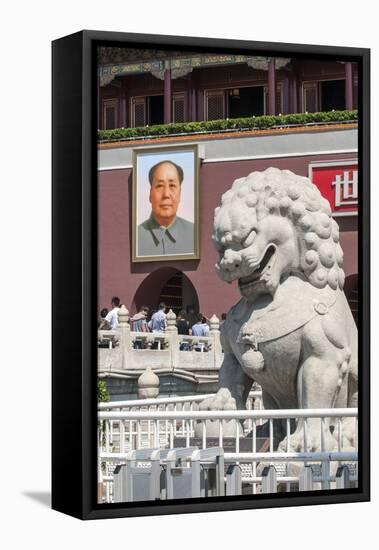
x,y
274,223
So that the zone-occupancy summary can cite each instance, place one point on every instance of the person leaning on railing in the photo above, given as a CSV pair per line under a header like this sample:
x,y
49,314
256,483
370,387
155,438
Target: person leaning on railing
x,y
139,324
183,328
103,324
201,328
158,322
138,321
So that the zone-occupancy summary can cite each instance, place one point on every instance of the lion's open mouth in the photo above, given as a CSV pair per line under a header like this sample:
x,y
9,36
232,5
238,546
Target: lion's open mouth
x,y
264,265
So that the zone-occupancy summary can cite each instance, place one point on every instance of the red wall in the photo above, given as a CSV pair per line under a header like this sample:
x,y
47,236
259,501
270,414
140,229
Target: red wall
x,y
119,276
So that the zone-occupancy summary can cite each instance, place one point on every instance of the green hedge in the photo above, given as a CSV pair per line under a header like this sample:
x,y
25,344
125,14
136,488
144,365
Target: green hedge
x,y
250,123
102,392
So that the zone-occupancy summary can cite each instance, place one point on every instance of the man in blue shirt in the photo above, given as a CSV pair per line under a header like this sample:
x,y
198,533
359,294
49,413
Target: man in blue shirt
x,y
164,232
200,328
138,322
158,321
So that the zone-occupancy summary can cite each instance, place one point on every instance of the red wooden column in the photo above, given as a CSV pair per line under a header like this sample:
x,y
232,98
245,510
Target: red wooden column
x,y
167,96
271,87
200,105
294,85
99,127
286,96
193,105
348,86
123,104
294,105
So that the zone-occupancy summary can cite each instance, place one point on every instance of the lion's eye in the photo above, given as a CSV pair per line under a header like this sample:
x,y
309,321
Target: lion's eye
x,y
250,238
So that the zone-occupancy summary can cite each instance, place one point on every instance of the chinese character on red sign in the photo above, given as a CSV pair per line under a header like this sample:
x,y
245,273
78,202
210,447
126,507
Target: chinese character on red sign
x,y
337,182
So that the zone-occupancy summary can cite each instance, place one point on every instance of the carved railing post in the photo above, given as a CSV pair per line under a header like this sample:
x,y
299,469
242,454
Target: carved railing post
x,y
125,339
172,333
215,333
148,385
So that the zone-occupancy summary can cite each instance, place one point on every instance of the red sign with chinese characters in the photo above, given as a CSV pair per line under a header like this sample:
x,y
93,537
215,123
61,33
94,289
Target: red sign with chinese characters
x,y
337,182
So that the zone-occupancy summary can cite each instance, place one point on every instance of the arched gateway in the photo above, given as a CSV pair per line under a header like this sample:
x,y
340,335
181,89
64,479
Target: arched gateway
x,y
167,285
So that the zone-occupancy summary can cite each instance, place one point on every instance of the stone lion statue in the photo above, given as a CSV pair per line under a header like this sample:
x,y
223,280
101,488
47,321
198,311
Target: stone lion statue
x,y
292,331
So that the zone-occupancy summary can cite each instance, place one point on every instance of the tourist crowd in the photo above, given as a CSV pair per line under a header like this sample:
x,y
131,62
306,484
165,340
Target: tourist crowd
x,y
188,323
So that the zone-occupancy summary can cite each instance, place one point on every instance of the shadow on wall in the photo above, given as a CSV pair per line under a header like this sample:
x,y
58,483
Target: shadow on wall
x,y
42,497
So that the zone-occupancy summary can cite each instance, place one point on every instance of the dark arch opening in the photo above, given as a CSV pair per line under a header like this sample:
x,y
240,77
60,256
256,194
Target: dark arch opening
x,y
168,285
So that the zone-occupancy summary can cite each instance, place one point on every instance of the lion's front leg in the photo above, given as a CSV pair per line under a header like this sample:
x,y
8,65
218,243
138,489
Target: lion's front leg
x,y
234,387
318,387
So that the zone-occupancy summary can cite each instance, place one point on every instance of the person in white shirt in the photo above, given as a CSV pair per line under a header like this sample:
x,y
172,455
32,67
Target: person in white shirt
x,y
112,316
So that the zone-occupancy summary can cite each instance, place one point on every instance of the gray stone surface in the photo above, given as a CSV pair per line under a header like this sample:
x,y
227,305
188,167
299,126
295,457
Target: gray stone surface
x,y
292,331
248,148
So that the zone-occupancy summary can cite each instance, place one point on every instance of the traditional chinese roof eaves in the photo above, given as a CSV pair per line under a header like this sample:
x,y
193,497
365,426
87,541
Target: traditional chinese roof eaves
x,y
114,56
182,64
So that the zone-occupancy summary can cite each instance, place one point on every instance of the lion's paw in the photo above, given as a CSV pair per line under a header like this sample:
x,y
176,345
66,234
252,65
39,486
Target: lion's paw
x,y
222,401
313,443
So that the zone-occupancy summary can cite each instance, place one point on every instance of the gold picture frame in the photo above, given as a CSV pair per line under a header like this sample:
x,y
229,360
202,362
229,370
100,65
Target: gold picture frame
x,y
145,239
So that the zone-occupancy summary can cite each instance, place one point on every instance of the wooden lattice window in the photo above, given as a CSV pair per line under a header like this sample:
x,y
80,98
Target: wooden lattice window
x,y
179,108
215,104
138,111
110,114
310,97
172,293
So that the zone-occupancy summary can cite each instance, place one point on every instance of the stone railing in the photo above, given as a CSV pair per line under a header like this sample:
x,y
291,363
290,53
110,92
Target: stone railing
x,y
123,352
306,469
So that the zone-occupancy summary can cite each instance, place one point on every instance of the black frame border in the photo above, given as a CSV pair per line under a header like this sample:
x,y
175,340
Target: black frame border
x,y
74,273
